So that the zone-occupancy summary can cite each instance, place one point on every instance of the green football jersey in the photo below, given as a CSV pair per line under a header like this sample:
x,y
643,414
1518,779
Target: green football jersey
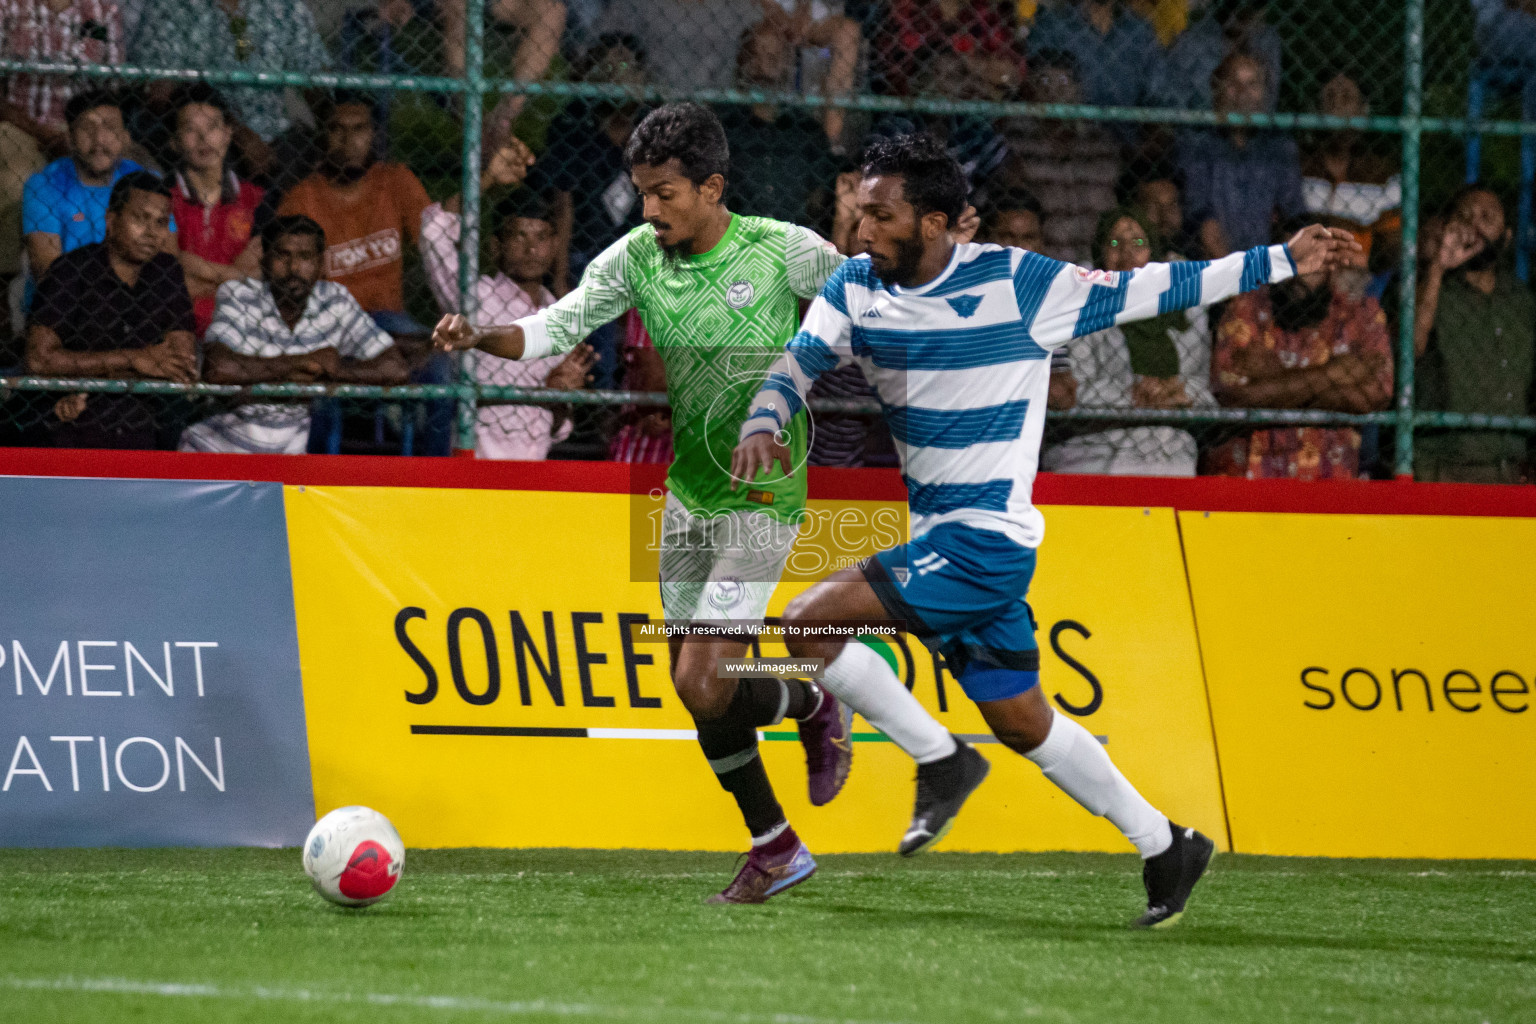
x,y
718,321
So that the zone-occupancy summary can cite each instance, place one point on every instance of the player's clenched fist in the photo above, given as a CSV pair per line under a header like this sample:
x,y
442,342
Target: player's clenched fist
x,y
758,453
453,333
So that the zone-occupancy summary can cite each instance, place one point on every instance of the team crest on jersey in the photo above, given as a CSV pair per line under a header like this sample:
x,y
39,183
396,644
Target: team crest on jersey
x,y
738,294
964,305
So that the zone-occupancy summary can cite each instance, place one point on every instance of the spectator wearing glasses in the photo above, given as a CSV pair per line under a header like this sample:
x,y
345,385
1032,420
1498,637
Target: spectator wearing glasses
x,y
116,308
216,212
524,257
288,326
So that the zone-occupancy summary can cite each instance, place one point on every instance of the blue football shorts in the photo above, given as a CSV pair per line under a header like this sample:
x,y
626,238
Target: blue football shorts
x,y
960,590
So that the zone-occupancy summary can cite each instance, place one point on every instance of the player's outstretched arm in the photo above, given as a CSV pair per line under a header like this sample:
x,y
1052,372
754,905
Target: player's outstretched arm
x,y
1078,302
454,333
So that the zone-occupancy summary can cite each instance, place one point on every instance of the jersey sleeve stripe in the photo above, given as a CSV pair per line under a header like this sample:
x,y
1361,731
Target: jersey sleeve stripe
x,y
784,385
1255,269
814,355
834,292
1184,286
1031,280
956,428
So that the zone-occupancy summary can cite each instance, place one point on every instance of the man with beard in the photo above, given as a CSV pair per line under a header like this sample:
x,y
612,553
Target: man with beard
x,y
368,208
290,327
1475,338
956,340
719,294
116,308
1303,344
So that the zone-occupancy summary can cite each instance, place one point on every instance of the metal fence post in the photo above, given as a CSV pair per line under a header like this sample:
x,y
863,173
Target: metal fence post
x,y
469,231
1413,128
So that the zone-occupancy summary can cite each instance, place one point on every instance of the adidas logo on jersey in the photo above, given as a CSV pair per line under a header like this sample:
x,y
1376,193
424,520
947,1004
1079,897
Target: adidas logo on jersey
x,y
871,312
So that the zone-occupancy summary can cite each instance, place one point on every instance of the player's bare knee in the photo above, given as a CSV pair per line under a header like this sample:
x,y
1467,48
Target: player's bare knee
x,y
705,697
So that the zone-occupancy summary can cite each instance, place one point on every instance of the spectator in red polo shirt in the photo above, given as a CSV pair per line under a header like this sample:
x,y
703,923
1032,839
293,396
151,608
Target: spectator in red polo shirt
x,y
216,213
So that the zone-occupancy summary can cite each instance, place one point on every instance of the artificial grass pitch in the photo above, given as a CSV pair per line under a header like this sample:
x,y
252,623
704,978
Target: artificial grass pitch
x,y
558,935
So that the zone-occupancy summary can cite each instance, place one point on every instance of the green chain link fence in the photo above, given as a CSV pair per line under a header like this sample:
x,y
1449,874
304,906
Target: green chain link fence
x,y
1213,126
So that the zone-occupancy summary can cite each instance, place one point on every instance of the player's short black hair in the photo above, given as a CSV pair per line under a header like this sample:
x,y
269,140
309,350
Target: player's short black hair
x,y
686,132
521,204
202,94
932,180
135,181
82,103
291,224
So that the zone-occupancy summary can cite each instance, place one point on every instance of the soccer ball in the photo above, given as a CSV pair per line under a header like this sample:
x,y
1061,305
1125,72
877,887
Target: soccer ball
x,y
353,856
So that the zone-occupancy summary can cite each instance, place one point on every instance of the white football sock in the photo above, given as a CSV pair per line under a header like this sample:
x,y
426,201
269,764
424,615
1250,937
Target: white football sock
x,y
1078,763
864,681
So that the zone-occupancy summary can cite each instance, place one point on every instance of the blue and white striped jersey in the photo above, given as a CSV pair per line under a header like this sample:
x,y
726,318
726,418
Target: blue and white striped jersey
x,y
962,364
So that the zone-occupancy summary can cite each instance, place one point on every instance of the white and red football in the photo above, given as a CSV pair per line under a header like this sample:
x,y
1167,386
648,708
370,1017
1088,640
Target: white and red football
x,y
354,856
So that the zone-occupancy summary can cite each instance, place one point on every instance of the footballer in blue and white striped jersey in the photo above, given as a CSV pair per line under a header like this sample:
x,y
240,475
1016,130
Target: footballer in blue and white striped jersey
x,y
956,340
962,363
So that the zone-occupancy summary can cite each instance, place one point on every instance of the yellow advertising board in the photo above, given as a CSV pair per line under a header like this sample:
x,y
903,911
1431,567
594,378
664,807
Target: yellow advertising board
x,y
468,671
1370,680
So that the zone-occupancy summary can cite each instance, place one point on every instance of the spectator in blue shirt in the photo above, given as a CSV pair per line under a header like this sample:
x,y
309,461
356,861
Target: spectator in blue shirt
x,y
1117,52
1231,26
1239,181
64,205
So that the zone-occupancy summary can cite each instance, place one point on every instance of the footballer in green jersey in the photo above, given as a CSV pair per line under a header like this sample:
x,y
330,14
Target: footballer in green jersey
x,y
719,294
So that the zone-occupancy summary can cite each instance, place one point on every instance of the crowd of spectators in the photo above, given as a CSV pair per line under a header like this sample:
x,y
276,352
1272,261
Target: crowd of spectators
x,y
249,233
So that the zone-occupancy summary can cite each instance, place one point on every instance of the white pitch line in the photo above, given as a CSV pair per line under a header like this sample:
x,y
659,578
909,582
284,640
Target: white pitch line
x,y
452,1004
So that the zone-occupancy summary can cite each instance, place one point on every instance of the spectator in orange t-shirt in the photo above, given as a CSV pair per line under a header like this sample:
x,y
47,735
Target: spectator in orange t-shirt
x,y
368,208
216,213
